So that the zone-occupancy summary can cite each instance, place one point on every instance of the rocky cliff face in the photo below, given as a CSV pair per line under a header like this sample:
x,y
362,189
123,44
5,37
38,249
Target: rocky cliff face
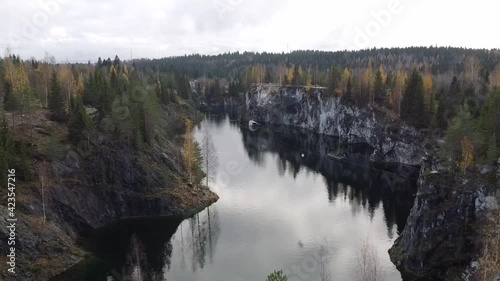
x,y
295,106
91,186
442,234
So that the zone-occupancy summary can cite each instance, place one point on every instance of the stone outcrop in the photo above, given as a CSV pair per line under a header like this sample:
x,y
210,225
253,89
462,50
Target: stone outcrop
x,y
442,234
311,110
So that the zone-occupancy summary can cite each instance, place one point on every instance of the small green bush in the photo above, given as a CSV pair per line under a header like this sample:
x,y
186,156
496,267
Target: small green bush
x,y
277,276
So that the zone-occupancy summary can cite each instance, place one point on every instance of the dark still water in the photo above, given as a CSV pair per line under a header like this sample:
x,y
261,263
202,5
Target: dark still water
x,y
284,204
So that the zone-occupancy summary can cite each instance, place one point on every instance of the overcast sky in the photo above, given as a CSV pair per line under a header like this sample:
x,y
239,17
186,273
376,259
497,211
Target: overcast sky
x,y
81,30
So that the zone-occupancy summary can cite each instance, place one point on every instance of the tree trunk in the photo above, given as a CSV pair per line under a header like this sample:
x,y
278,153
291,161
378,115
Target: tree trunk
x,y
43,202
206,157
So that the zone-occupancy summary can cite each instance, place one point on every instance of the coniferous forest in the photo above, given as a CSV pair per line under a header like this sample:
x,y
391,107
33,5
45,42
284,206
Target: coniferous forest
x,y
448,91
450,95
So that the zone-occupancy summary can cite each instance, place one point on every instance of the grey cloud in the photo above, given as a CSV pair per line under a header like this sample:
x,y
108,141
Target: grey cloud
x,y
86,29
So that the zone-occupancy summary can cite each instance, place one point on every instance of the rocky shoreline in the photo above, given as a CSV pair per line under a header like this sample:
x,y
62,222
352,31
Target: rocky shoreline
x,y
91,188
442,236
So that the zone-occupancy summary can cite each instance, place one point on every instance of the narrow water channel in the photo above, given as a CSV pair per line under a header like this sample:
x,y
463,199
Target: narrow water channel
x,y
284,205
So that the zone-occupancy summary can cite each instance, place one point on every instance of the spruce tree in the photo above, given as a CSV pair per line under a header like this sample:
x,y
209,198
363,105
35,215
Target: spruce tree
x,y
441,121
104,94
379,88
413,108
334,80
348,98
79,121
10,99
56,99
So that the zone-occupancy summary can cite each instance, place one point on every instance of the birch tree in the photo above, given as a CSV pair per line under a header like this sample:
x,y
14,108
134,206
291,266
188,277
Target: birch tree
x,y
324,265
495,79
43,176
368,264
210,159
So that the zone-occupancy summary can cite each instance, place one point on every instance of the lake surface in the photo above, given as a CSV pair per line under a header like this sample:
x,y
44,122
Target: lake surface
x,y
284,205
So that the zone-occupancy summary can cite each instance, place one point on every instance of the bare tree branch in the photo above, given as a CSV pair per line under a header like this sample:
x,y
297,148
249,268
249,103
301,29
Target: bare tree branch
x,y
210,161
368,264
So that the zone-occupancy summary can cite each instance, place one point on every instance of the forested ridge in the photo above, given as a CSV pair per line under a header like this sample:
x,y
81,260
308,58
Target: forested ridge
x,y
115,100
81,135
441,59
452,92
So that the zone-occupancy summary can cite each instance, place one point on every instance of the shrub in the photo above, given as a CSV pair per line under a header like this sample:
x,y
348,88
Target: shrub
x,y
277,276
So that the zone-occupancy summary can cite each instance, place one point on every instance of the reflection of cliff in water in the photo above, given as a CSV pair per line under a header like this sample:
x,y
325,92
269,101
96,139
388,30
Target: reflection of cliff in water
x,y
121,248
351,178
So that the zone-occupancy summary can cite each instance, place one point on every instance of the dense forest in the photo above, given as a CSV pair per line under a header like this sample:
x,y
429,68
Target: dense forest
x,y
106,129
110,99
452,92
447,91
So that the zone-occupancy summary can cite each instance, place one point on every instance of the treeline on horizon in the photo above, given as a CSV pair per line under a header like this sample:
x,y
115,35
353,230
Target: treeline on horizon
x,y
453,90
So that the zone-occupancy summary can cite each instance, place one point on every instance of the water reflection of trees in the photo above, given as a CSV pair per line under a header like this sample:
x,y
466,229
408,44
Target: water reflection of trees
x,y
137,249
218,117
350,179
198,239
136,266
